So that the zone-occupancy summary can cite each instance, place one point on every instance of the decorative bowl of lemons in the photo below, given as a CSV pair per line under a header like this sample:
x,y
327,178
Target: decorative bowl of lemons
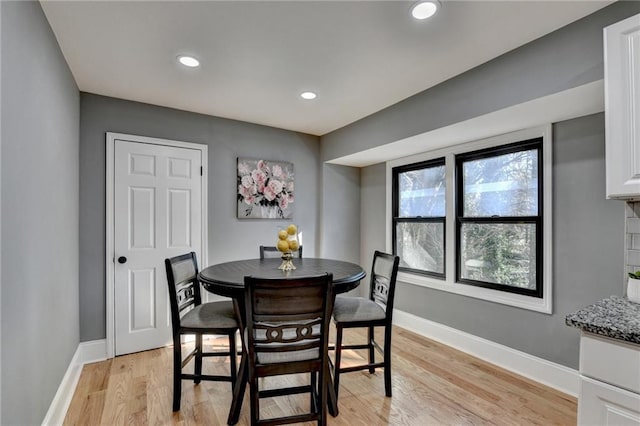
x,y
287,244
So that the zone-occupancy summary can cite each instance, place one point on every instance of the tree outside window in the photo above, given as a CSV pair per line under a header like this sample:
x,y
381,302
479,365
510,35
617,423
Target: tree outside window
x,y
499,219
419,209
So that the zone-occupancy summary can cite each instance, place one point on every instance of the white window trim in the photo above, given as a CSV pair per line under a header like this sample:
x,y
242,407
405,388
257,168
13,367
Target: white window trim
x,y
543,304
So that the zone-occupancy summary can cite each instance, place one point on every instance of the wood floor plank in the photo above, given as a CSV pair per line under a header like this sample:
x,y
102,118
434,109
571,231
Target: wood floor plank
x,y
433,384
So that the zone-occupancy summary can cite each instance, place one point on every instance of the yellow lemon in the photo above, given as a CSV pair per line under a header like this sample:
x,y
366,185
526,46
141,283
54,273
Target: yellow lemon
x,y
292,229
293,245
282,234
283,245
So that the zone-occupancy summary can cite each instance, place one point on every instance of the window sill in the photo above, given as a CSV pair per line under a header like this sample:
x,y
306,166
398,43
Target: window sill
x,y
511,299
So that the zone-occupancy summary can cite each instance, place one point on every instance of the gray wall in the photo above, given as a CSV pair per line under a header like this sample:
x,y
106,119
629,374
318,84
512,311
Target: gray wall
x,y
373,216
340,221
40,123
566,58
229,238
588,253
588,233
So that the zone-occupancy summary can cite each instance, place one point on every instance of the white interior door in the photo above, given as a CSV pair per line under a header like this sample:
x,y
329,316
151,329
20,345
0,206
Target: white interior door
x,y
157,214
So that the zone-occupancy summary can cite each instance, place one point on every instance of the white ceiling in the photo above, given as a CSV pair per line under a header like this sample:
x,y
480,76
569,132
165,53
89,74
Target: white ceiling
x,y
257,56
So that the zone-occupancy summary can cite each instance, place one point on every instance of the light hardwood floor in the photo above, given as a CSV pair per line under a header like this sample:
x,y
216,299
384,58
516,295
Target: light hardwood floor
x,y
433,384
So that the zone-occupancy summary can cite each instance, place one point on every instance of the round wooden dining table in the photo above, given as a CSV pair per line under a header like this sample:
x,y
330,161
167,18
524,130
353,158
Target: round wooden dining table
x,y
227,279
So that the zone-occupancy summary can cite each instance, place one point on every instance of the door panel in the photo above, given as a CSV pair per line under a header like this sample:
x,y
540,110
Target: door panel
x,y
142,286
144,165
179,168
157,214
142,223
179,218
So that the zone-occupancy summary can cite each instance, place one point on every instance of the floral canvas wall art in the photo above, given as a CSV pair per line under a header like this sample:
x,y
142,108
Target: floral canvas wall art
x,y
265,189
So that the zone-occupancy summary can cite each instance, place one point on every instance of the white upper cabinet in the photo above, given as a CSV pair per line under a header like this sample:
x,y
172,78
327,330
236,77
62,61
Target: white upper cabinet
x,y
622,108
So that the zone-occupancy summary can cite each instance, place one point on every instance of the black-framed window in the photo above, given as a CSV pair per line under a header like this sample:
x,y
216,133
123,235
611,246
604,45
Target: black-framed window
x,y
419,209
499,218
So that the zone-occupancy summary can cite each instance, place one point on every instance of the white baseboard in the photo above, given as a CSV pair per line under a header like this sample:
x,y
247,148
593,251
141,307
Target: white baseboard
x,y
86,352
557,376
93,351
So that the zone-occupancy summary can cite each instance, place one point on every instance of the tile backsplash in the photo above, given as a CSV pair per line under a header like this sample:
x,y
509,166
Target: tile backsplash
x,y
632,235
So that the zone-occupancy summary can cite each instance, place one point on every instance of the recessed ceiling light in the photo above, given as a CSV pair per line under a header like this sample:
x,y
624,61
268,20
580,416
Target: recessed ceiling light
x,y
308,95
188,61
425,9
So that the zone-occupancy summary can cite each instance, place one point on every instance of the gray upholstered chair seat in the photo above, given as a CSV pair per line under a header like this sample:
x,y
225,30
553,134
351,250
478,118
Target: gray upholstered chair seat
x,y
210,315
293,356
353,309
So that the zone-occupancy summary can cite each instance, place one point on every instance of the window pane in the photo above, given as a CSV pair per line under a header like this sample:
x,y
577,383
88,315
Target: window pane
x,y
422,192
504,185
502,253
421,246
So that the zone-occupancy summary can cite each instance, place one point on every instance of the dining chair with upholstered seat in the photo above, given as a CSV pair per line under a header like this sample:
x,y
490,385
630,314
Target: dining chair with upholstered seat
x,y
268,252
190,316
371,312
287,328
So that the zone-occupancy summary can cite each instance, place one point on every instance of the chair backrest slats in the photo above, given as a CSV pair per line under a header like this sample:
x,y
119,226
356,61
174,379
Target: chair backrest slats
x,y
384,272
185,304
272,252
185,295
287,333
381,290
184,287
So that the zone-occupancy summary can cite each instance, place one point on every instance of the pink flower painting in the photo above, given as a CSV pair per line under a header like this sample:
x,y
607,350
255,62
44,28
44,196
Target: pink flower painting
x,y
265,189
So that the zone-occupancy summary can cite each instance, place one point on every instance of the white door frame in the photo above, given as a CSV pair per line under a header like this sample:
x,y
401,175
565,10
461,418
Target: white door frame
x,y
110,225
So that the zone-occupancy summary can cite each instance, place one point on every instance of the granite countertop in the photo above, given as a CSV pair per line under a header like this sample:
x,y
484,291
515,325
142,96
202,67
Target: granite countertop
x,y
613,317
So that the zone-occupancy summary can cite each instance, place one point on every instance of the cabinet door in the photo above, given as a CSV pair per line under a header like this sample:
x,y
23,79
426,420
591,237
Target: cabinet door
x,y
623,373
622,107
601,404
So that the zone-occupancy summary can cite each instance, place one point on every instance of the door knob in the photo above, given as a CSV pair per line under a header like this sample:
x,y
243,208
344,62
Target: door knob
x,y
122,259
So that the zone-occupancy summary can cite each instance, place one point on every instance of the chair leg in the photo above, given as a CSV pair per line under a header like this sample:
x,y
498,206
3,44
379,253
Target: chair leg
x,y
372,355
177,372
238,392
336,371
313,406
198,361
232,359
323,395
255,403
387,360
